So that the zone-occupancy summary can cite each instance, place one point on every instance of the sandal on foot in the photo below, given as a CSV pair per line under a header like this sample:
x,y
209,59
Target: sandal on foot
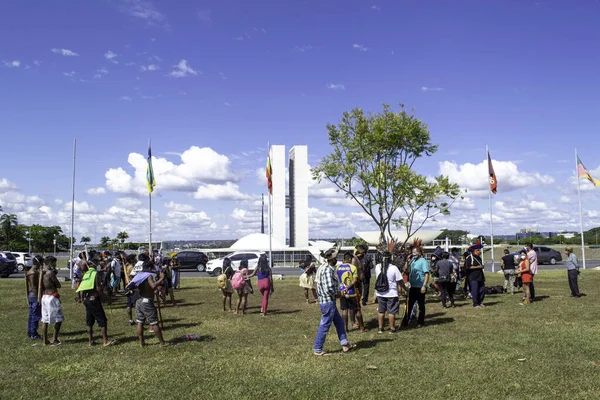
x,y
348,348
321,353
56,343
110,343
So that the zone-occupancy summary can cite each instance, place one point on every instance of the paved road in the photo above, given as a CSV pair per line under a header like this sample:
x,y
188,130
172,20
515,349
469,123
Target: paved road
x,y
296,272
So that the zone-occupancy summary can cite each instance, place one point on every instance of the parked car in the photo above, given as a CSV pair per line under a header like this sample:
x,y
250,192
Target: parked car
x,y
24,260
192,260
8,264
214,267
545,255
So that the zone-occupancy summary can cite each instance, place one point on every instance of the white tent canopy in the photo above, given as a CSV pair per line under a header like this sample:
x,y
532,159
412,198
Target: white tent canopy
x,y
256,241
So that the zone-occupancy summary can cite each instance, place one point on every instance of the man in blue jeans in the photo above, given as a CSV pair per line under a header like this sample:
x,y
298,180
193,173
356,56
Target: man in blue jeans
x,y
328,290
35,310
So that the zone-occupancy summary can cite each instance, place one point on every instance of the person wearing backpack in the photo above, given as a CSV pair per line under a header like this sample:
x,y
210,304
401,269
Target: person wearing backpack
x,y
240,284
388,277
224,282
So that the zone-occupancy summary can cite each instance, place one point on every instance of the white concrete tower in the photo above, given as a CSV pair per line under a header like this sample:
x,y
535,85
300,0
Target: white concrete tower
x,y
279,194
298,184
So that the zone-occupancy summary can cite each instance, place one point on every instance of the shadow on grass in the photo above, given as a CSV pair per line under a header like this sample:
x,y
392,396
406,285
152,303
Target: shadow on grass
x,y
188,325
184,339
184,304
368,344
280,312
74,333
434,315
542,298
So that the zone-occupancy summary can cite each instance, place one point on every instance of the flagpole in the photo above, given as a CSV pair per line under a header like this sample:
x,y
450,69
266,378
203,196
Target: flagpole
x,y
580,208
487,154
270,217
73,210
150,216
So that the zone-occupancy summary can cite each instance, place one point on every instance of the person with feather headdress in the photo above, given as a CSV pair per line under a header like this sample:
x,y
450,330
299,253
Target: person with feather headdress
x,y
328,290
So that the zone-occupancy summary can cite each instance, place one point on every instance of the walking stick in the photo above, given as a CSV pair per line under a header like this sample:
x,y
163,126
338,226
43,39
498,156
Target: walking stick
x,y
160,320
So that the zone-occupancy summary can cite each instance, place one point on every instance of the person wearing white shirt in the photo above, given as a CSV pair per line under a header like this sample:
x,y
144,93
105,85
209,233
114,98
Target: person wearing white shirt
x,y
388,302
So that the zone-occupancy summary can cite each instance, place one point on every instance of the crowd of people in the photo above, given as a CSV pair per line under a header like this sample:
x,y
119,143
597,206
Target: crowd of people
x,y
403,275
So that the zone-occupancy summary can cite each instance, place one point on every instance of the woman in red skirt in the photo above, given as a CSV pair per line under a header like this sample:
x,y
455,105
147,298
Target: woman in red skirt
x,y
525,274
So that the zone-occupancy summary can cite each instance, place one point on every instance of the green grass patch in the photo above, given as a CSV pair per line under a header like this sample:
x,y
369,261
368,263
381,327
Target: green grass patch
x,y
461,353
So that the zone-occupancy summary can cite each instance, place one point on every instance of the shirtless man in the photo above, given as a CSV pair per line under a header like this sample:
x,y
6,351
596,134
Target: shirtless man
x,y
52,312
35,311
144,306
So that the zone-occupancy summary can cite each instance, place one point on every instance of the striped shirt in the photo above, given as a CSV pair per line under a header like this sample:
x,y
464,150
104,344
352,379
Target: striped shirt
x,y
328,285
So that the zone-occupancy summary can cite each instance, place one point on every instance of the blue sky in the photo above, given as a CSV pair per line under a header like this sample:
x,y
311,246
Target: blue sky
x,y
229,76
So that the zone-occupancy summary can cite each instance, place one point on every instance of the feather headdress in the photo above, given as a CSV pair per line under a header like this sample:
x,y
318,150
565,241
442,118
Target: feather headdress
x,y
331,253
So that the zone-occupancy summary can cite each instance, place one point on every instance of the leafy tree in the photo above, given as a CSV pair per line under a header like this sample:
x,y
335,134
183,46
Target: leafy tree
x,y
104,242
455,236
122,236
8,222
372,162
114,243
85,239
355,242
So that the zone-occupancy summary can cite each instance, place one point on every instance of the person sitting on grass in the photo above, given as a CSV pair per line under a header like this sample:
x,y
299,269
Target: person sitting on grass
x,y
52,312
91,290
328,290
145,310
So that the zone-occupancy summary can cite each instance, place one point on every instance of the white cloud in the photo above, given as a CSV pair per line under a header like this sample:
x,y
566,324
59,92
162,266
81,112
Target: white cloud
x,y
376,8
205,16
126,98
37,63
96,191
5,184
226,104
100,73
474,177
110,56
12,64
151,67
82,207
182,69
69,74
198,165
179,207
227,191
336,86
144,10
65,52
303,48
359,47
431,89
222,75
565,200
129,203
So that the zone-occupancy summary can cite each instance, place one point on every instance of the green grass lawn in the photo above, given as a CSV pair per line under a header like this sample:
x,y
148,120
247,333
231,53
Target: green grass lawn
x,y
461,353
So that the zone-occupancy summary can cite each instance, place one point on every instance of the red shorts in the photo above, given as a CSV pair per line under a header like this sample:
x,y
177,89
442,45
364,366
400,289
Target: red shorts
x,y
527,277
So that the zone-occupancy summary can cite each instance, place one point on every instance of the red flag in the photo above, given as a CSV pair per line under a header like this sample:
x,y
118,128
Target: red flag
x,y
269,174
493,181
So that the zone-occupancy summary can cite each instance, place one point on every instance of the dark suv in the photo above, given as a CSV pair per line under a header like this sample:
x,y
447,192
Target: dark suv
x,y
8,264
192,260
545,255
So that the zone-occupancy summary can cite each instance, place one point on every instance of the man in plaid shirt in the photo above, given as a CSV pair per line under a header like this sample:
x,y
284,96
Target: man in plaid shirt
x,y
328,290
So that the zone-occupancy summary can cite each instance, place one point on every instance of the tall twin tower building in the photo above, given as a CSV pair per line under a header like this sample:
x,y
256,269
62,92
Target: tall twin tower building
x,y
297,201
